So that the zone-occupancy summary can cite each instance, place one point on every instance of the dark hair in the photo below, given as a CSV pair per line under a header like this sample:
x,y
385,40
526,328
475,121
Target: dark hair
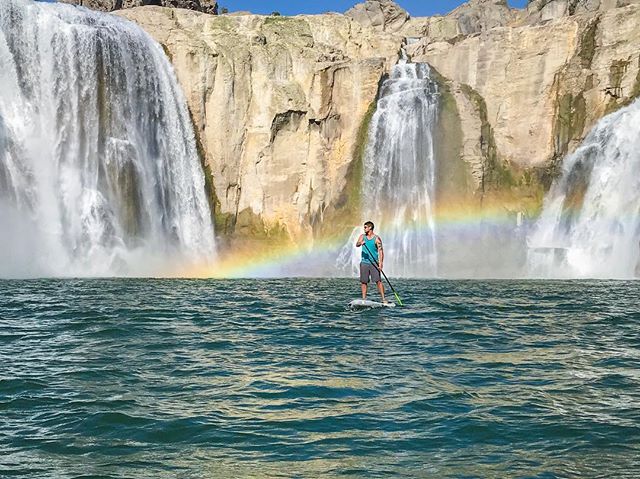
x,y
369,223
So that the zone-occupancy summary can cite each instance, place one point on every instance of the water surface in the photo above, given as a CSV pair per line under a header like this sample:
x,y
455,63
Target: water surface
x,y
277,378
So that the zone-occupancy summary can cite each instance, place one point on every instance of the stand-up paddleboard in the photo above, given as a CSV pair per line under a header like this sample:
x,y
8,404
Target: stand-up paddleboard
x,y
366,303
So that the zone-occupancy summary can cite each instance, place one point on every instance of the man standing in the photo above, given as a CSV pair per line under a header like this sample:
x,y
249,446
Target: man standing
x,y
372,256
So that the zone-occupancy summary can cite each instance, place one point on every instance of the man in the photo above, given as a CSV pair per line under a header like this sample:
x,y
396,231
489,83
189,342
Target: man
x,y
372,255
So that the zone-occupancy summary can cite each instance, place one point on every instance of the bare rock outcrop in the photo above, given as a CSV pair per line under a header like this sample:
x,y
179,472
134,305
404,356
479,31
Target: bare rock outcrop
x,y
544,86
280,104
384,15
470,18
538,11
478,16
277,103
205,6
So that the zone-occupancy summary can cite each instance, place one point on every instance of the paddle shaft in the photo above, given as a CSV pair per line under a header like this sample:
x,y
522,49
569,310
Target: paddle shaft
x,y
382,272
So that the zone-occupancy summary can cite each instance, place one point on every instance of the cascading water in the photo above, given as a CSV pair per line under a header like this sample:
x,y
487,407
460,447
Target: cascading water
x,y
99,171
590,224
398,185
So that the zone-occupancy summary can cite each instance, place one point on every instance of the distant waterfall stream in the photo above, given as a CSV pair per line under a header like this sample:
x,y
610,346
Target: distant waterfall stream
x,y
398,185
99,171
590,225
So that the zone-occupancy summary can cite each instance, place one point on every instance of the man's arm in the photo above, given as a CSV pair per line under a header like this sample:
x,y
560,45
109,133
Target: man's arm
x,y
360,241
380,252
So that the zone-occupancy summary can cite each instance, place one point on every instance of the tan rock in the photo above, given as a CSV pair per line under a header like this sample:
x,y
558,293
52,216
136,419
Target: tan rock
x,y
469,18
545,85
277,103
478,16
540,11
544,10
384,15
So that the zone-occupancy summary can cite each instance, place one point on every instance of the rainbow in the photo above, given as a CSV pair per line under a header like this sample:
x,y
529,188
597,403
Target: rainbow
x,y
461,220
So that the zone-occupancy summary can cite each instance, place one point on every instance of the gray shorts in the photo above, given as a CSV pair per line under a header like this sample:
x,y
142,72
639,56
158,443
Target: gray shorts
x,y
368,270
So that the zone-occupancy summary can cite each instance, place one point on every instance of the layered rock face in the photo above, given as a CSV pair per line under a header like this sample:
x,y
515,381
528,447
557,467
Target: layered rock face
x,y
526,85
543,10
469,18
278,103
384,15
205,6
542,87
281,103
481,15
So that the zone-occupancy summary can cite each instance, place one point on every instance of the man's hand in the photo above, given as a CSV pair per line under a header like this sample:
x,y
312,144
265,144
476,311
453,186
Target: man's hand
x,y
360,241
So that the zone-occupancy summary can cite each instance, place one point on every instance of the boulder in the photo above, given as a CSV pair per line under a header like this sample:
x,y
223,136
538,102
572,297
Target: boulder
x,y
478,16
384,15
473,17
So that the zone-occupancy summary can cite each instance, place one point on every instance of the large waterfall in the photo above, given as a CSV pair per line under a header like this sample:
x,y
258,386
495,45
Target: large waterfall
x,y
99,171
398,186
590,225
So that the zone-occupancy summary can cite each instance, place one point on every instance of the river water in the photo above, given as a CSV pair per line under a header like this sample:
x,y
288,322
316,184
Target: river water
x,y
277,378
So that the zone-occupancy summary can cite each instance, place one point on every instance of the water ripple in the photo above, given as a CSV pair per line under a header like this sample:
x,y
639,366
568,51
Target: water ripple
x,y
276,378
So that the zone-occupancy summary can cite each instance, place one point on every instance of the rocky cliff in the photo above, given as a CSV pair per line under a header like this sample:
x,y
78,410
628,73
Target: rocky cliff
x,y
206,6
278,104
281,104
528,92
384,15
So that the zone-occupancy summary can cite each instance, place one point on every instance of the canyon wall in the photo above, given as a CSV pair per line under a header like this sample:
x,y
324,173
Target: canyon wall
x,y
541,86
279,105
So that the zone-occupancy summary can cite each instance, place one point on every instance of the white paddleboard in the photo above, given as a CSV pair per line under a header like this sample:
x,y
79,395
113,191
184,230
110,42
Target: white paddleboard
x,y
366,303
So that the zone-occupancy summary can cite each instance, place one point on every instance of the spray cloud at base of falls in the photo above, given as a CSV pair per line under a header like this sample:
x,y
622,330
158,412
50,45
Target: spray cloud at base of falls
x,y
398,184
590,224
99,171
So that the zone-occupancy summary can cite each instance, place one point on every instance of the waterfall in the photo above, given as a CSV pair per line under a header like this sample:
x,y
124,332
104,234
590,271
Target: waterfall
x,y
590,224
99,170
398,186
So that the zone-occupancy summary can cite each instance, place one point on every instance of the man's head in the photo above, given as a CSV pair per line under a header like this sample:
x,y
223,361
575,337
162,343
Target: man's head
x,y
368,226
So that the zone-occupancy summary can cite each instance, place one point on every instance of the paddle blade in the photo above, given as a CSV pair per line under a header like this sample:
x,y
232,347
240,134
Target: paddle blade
x,y
398,298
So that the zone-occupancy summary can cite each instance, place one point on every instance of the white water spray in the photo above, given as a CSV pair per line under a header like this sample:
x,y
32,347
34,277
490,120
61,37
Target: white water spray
x,y
398,186
99,171
590,225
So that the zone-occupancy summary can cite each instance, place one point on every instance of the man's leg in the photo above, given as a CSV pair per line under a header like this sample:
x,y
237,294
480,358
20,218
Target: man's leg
x,y
364,279
381,289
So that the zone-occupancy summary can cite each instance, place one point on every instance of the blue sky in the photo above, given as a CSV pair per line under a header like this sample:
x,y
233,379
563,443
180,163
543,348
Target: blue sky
x,y
416,8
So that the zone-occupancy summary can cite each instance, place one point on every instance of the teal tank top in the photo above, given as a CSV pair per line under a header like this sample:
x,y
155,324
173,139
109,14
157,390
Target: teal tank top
x,y
371,244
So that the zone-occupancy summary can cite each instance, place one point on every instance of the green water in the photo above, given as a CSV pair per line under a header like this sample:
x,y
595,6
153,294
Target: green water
x,y
277,378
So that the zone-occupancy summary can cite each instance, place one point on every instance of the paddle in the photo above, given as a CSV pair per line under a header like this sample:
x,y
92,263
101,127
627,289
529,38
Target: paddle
x,y
374,263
